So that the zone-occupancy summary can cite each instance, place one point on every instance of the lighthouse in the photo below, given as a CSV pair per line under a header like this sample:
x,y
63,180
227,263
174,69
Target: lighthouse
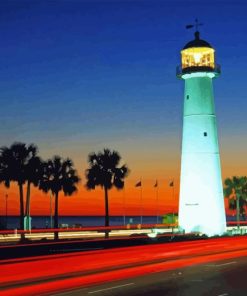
x,y
201,202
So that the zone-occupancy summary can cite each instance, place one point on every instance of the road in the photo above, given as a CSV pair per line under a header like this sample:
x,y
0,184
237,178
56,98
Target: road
x,y
139,270
224,278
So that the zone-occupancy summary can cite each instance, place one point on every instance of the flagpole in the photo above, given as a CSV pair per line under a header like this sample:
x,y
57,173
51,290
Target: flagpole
x,y
157,203
141,202
139,184
173,204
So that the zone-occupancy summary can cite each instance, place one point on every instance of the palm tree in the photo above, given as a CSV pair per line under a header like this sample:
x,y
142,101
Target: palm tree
x,y
33,176
13,163
104,172
58,175
235,190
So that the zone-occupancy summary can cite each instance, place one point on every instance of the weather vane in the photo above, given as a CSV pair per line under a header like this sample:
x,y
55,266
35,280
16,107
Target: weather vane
x,y
196,25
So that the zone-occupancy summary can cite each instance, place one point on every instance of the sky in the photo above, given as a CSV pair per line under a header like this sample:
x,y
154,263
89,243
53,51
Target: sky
x,y
79,76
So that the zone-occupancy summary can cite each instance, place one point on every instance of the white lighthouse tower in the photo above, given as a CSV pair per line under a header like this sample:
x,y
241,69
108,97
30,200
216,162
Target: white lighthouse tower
x,y
201,202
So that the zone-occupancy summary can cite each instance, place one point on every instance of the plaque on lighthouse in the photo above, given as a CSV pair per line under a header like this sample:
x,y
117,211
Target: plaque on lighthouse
x,y
201,202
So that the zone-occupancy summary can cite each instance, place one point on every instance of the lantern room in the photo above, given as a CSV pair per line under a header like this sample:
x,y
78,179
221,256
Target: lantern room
x,y
197,56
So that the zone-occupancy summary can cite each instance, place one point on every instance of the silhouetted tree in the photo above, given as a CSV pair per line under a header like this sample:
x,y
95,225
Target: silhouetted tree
x,y
58,175
33,173
235,189
13,164
104,172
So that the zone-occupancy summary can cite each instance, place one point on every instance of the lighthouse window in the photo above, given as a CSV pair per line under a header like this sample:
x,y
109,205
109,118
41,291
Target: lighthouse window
x,y
187,97
205,134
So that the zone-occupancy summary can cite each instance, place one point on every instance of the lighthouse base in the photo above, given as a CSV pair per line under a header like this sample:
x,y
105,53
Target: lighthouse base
x,y
201,205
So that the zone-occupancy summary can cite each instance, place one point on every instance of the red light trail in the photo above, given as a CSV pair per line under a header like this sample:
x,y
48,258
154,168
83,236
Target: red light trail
x,y
53,273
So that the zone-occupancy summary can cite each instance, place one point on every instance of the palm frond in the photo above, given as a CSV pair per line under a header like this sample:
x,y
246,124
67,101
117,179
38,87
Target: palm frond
x,y
236,188
104,171
59,175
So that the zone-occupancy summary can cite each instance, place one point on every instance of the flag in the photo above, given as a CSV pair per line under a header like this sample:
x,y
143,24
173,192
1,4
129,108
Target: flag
x,y
138,184
171,184
156,184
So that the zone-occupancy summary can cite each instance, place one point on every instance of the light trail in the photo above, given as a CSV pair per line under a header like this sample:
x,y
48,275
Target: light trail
x,y
98,232
55,273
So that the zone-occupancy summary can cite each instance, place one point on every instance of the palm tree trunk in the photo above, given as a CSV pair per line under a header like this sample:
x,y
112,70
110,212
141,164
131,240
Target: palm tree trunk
x,y
238,211
21,210
27,225
56,215
21,207
106,212
28,199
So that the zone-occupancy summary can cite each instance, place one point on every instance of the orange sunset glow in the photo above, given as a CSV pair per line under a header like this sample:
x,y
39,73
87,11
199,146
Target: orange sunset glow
x,y
86,202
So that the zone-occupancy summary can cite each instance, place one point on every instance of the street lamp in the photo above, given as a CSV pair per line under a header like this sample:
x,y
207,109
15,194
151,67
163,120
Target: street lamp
x,y
51,224
6,210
